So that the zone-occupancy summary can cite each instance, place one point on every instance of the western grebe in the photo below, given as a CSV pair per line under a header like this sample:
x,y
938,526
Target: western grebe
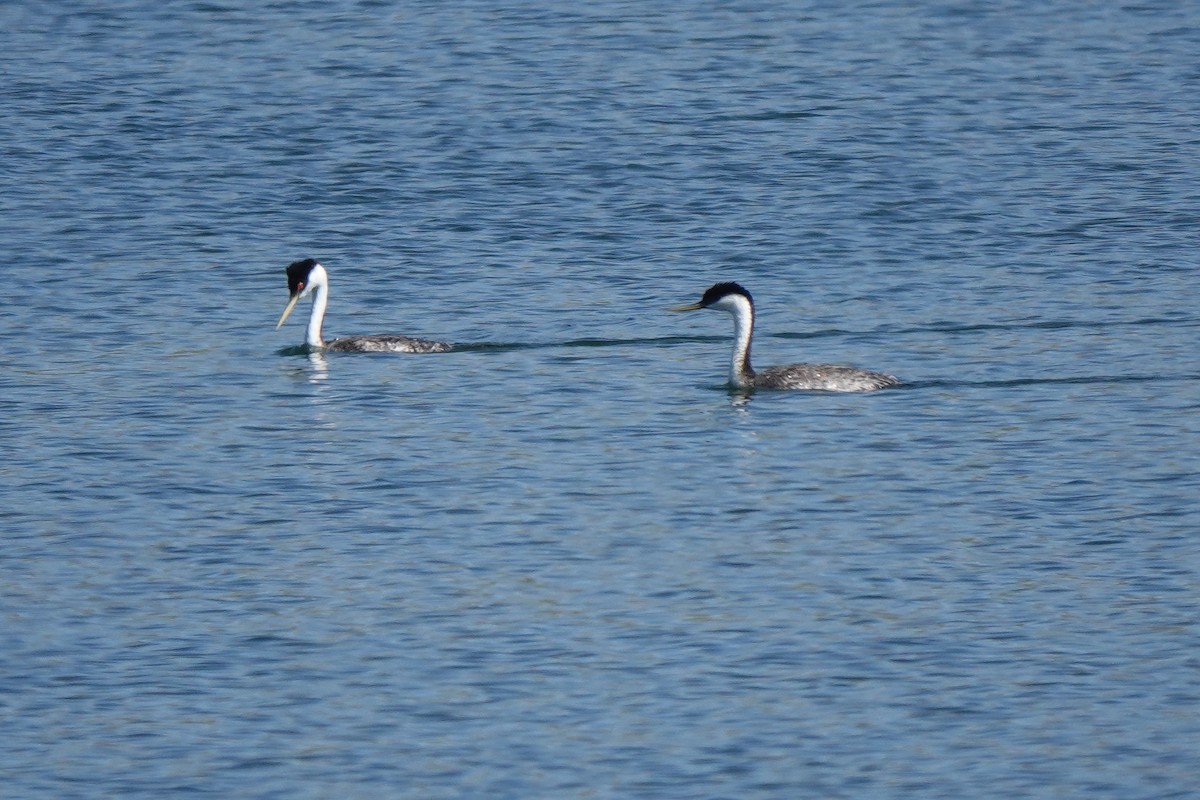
x,y
737,301
308,276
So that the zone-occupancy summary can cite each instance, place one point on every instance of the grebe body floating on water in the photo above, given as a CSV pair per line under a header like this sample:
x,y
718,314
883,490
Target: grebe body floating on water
x,y
307,277
732,298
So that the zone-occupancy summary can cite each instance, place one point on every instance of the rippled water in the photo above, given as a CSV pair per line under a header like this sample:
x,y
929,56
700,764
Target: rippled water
x,y
564,561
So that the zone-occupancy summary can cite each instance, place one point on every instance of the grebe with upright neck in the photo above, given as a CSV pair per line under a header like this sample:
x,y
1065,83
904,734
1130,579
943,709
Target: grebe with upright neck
x,y
735,300
306,277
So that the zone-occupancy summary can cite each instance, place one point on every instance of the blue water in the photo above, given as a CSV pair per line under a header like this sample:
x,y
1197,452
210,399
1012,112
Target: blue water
x,y
565,561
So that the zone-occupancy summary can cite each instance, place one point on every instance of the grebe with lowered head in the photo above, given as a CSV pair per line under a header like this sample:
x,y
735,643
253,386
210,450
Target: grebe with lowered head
x,y
307,276
733,298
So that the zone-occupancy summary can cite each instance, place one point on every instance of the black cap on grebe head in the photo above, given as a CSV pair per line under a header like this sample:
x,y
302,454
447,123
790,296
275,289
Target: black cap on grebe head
x,y
719,290
715,293
297,274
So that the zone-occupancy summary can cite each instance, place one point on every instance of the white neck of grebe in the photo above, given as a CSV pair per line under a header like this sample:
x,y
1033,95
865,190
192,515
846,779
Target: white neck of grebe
x,y
740,372
318,285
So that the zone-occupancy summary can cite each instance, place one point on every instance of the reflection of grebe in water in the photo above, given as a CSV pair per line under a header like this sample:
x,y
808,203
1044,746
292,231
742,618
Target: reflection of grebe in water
x,y
309,277
734,299
319,366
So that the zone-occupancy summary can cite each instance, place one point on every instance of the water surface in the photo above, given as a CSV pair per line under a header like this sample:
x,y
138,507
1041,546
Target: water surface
x,y
565,561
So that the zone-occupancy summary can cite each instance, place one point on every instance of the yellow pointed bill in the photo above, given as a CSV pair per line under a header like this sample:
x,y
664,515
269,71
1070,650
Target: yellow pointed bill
x,y
689,307
291,304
